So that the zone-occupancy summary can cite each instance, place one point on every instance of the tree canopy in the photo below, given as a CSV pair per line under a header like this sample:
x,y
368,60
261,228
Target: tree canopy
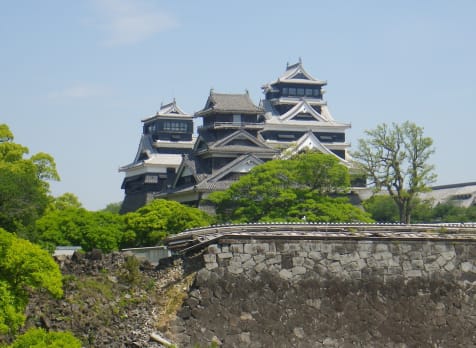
x,y
24,187
296,189
39,338
72,225
153,222
396,158
24,267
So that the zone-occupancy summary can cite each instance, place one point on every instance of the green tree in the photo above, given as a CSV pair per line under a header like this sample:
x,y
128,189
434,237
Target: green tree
x,y
39,338
72,225
289,190
24,187
395,158
382,208
66,200
113,207
148,225
24,268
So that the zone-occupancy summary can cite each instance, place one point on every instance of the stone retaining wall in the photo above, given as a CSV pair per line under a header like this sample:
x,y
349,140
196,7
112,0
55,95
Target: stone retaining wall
x,y
333,293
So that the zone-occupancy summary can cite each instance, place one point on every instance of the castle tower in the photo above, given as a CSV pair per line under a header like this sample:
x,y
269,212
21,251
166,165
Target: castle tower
x,y
226,148
297,114
166,136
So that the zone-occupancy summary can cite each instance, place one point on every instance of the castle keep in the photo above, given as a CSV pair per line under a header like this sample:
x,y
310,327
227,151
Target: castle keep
x,y
236,135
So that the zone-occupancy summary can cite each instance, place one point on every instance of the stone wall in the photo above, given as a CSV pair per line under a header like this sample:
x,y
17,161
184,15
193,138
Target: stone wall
x,y
332,293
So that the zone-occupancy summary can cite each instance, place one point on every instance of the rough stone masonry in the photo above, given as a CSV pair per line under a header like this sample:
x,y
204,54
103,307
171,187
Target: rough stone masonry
x,y
332,293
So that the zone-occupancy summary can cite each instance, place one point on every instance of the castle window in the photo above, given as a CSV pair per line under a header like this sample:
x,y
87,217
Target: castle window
x,y
237,118
300,92
309,92
286,136
175,126
285,91
151,179
316,93
292,91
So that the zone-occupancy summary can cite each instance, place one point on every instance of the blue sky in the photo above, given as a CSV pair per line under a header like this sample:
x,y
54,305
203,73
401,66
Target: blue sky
x,y
77,77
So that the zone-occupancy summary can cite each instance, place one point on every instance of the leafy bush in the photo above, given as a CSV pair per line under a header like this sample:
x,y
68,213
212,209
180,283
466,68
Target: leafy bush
x,y
39,338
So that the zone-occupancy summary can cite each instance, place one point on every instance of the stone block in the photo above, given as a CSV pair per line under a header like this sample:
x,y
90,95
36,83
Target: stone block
x,y
246,316
365,246
260,266
210,258
442,247
255,248
285,274
432,267
299,332
249,264
225,255
417,264
334,256
245,337
450,266
381,247
357,265
406,265
315,303
467,267
415,273
225,248
441,261
348,258
211,265
291,247
335,267
298,261
315,255
233,268
326,247
299,270
384,255
364,254
236,248
203,276
449,255
274,260
308,263
214,249
414,255
259,258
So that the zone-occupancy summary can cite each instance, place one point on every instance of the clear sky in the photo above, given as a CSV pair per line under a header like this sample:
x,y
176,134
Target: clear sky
x,y
77,77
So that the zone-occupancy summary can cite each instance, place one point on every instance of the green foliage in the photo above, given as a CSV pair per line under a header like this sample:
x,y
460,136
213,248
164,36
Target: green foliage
x,y
77,226
11,309
24,188
153,222
382,208
113,207
448,212
396,158
39,338
66,200
24,267
290,190
131,272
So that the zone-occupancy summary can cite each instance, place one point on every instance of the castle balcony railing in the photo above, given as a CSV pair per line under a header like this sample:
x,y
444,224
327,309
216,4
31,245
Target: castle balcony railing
x,y
233,125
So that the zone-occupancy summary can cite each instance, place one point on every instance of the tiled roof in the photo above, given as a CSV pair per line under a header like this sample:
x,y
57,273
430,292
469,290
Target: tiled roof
x,y
169,110
230,103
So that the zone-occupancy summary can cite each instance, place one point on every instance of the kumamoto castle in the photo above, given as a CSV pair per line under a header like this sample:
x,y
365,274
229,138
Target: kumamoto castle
x,y
236,135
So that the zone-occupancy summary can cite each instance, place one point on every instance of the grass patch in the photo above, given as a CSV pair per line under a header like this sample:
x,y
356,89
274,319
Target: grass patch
x,y
173,300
